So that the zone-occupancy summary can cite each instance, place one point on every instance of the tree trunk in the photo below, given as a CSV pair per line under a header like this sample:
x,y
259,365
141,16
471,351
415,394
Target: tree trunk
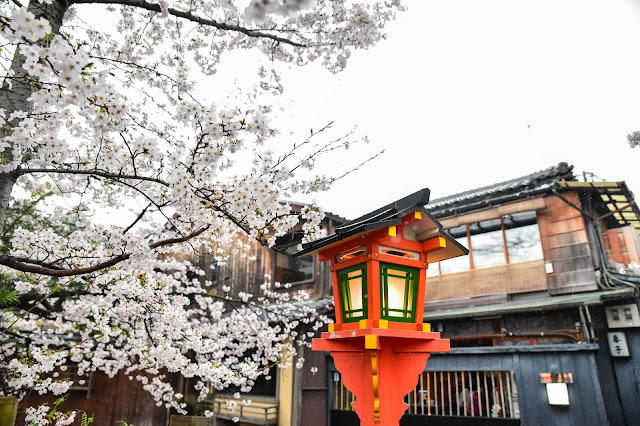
x,y
15,98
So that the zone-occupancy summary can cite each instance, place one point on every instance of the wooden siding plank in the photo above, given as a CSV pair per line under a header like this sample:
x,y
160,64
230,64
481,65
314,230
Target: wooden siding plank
x,y
562,227
494,212
573,282
561,240
555,202
568,252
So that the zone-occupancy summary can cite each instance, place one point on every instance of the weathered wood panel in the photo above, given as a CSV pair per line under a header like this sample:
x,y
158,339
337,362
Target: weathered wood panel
x,y
110,400
493,212
622,246
585,395
565,244
314,389
505,279
627,374
248,266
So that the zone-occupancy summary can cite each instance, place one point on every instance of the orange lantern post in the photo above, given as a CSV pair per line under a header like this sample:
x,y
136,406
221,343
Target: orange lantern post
x,y
379,342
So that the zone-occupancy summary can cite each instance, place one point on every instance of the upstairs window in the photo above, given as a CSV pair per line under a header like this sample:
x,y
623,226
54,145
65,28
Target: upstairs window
x,y
488,243
510,239
523,237
289,269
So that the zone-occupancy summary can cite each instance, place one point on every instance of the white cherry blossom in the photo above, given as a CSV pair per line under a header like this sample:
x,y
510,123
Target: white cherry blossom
x,y
114,124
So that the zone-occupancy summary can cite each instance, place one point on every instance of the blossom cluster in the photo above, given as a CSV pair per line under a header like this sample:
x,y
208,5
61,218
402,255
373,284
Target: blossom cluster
x,y
116,126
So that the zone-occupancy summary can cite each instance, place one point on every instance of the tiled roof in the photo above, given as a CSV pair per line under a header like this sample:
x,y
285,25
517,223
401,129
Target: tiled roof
x,y
391,214
532,184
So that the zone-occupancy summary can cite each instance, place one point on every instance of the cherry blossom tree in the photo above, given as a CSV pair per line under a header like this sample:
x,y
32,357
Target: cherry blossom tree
x,y
101,122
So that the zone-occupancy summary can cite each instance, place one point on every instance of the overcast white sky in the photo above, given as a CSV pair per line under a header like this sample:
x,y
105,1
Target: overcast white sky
x,y
466,93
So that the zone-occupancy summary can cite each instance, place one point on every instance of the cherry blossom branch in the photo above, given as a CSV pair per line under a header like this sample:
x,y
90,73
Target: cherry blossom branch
x,y
28,311
102,174
193,18
297,146
27,265
142,213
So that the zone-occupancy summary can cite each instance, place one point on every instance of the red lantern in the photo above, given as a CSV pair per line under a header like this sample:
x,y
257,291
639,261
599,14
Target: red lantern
x,y
379,342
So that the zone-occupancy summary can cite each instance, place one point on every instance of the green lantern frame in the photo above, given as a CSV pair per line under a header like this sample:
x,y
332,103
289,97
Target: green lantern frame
x,y
346,279
407,311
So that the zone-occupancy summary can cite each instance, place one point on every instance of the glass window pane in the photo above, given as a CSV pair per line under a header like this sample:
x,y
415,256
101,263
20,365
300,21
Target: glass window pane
x,y
398,287
488,249
291,269
523,243
519,219
353,293
355,290
457,264
396,290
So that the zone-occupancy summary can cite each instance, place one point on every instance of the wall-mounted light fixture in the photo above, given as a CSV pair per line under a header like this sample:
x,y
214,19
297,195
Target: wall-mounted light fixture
x,y
558,393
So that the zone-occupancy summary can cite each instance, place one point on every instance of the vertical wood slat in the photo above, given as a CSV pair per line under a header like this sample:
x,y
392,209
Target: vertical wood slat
x,y
508,380
421,394
458,395
478,396
486,393
495,392
429,392
471,394
450,398
464,394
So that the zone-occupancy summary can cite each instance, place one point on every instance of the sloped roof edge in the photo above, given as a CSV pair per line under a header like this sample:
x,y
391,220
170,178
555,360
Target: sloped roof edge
x,y
532,184
389,215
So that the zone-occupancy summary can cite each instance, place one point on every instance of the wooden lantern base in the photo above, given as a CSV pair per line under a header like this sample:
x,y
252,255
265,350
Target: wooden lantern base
x,y
380,367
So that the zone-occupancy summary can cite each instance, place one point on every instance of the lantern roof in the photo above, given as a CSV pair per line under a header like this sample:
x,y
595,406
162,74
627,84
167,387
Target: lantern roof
x,y
390,215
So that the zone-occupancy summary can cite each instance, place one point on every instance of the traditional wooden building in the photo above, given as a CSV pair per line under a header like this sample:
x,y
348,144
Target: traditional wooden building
x,y
274,402
278,401
542,315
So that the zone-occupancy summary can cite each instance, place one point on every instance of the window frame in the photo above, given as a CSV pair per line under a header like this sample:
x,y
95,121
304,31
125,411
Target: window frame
x,y
505,247
274,269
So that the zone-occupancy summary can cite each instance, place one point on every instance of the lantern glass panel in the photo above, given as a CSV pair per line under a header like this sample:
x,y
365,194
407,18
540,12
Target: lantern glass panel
x,y
353,293
398,288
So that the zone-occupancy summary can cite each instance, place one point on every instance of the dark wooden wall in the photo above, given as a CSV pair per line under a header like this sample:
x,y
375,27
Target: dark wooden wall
x,y
315,400
110,400
622,383
245,269
566,245
585,395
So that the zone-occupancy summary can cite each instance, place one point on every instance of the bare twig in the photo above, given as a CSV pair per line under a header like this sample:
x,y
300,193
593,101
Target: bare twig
x,y
197,19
